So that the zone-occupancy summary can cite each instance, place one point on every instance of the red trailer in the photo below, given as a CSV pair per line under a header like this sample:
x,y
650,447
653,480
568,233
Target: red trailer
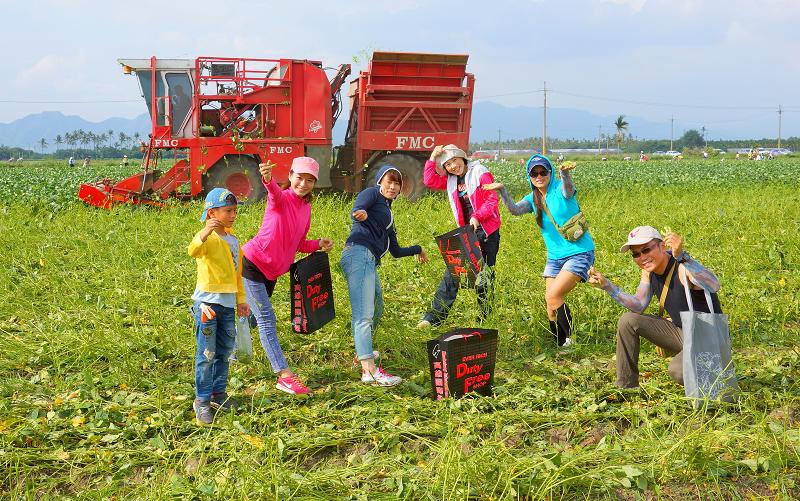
x,y
214,119
400,108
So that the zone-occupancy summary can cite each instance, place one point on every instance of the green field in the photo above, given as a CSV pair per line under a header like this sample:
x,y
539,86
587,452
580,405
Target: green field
x,y
97,383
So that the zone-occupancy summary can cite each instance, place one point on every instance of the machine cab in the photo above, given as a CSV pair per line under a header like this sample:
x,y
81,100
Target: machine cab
x,y
171,89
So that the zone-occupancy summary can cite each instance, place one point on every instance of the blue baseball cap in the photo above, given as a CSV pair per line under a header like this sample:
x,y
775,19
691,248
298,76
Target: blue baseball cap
x,y
218,197
540,160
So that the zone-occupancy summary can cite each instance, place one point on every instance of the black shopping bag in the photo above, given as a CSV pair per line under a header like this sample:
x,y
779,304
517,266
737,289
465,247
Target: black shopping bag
x,y
311,293
461,254
462,361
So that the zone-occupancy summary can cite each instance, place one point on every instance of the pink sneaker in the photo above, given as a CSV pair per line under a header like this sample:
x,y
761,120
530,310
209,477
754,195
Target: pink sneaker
x,y
292,385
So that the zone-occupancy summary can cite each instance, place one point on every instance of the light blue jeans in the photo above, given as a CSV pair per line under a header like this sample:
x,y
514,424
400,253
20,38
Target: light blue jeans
x,y
366,296
261,307
215,338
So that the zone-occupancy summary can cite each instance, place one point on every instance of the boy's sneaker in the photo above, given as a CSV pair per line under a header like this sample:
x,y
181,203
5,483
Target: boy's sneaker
x,y
222,402
202,412
423,324
291,385
380,378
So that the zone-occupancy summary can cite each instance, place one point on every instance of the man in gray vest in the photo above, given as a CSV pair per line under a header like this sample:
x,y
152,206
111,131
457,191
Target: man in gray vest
x,y
661,280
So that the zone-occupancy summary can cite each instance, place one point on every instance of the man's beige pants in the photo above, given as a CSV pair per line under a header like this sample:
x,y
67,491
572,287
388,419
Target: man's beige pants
x,y
659,331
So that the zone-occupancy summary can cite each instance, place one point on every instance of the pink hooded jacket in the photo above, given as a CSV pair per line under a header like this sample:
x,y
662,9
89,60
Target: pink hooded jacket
x,y
484,202
282,234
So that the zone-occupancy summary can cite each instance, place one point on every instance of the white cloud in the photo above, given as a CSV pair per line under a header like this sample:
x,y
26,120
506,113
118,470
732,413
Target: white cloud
x,y
51,67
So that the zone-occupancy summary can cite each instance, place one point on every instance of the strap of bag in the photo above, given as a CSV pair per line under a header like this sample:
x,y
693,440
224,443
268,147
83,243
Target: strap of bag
x,y
685,280
547,211
662,300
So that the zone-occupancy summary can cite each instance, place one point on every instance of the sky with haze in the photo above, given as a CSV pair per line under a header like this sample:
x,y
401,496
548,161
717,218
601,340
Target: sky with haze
x,y
710,62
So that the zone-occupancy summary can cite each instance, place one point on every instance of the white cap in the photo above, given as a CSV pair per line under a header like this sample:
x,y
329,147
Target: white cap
x,y
641,235
450,151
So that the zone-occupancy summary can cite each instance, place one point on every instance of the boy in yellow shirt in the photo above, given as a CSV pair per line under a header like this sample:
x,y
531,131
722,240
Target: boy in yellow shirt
x,y
218,298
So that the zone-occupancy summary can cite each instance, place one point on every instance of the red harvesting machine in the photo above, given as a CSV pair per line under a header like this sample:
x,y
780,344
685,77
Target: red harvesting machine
x,y
214,119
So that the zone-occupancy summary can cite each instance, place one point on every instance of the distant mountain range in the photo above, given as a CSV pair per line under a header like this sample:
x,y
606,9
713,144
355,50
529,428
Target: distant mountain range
x,y
487,117
27,131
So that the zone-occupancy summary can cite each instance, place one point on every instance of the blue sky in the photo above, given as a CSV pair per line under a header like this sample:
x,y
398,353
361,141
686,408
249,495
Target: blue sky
x,y
704,62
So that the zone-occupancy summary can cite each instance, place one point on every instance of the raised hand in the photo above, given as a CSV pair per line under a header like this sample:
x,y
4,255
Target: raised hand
x,y
438,150
674,242
266,170
567,166
360,215
492,186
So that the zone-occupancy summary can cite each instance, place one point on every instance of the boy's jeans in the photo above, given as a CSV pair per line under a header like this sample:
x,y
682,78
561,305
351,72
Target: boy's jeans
x,y
215,339
366,297
258,299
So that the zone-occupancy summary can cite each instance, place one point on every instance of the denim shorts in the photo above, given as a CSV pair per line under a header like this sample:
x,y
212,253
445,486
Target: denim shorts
x,y
578,264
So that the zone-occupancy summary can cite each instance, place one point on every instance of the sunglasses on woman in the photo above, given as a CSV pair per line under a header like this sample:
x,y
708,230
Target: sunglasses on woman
x,y
539,173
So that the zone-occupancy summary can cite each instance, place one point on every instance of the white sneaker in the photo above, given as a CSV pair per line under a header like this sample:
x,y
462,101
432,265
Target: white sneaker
x,y
567,342
423,324
380,378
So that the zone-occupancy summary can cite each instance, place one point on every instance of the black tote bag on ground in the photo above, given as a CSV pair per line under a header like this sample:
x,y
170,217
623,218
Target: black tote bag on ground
x,y
462,361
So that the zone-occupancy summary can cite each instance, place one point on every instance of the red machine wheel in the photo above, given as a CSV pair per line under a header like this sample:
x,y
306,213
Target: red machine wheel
x,y
411,169
238,173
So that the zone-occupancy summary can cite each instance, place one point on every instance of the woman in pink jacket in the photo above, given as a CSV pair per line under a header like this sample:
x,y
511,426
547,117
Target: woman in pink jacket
x,y
449,169
271,252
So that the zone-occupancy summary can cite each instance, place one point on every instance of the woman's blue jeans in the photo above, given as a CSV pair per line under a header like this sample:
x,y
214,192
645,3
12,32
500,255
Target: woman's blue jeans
x,y
261,307
366,296
215,339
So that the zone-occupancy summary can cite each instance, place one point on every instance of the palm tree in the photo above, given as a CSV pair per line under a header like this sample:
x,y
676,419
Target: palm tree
x,y
83,137
59,141
43,144
621,126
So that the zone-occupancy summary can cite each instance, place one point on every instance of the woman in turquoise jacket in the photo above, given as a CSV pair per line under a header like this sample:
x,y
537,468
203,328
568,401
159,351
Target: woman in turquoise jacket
x,y
568,262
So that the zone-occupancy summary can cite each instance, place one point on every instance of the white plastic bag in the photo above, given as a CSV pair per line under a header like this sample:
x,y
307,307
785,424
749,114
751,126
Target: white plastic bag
x,y
243,348
708,372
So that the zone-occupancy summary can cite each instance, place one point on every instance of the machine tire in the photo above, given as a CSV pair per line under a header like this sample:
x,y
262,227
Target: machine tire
x,y
238,173
410,167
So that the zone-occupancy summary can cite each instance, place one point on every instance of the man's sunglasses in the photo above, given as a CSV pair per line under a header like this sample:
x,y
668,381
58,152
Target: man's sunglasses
x,y
539,173
646,250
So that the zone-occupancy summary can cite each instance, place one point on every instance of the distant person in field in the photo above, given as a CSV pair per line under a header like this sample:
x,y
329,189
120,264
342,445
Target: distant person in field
x,y
124,160
658,257
372,235
552,201
218,298
86,162
283,232
71,161
449,169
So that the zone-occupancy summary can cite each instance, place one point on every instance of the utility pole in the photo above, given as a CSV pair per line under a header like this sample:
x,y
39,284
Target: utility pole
x,y
780,112
671,132
499,145
703,128
544,128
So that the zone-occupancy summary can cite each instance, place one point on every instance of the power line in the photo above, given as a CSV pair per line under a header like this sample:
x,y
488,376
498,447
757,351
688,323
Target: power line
x,y
643,103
